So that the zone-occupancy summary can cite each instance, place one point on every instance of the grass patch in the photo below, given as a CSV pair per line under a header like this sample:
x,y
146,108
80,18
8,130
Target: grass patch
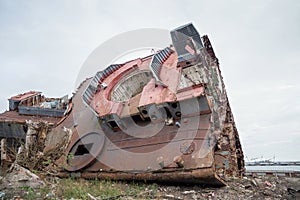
x,y
28,193
79,188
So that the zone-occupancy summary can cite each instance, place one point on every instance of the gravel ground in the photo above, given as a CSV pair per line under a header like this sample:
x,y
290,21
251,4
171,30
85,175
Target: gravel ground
x,y
245,188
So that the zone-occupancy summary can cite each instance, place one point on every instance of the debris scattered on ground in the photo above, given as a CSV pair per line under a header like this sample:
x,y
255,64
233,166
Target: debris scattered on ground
x,y
18,176
30,186
2,194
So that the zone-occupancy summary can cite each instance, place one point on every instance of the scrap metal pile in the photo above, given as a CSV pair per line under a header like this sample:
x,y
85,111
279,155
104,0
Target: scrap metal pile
x,y
165,117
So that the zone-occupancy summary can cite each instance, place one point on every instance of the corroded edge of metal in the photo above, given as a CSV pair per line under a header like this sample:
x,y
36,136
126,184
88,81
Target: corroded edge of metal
x,y
203,176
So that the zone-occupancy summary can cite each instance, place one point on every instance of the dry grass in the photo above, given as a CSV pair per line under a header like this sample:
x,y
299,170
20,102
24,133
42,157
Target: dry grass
x,y
35,158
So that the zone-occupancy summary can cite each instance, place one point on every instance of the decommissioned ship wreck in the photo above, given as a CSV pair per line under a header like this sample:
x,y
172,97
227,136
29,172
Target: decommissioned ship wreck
x,y
165,117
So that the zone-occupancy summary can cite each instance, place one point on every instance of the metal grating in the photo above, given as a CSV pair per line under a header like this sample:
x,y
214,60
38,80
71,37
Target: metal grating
x,y
157,60
130,86
186,36
95,83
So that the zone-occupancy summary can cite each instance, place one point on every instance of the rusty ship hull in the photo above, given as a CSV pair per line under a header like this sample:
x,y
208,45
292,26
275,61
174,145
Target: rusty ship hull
x,y
165,117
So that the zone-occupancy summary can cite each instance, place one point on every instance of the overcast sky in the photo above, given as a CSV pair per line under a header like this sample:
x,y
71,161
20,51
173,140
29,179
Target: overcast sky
x,y
44,43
